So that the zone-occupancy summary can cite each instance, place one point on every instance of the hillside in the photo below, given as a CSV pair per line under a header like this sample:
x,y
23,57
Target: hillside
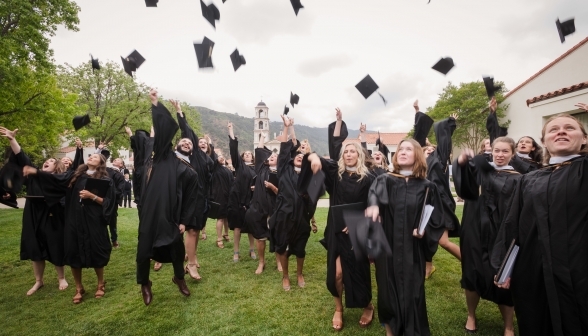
x,y
215,125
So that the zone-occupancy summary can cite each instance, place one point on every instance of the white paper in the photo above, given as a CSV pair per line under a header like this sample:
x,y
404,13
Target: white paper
x,y
427,211
507,271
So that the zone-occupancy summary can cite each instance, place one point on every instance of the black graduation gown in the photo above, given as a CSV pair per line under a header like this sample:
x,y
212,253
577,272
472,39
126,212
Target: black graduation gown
x,y
142,146
494,129
401,277
86,241
240,194
42,225
119,182
345,190
169,192
263,199
548,217
203,165
220,185
379,171
290,222
482,216
524,165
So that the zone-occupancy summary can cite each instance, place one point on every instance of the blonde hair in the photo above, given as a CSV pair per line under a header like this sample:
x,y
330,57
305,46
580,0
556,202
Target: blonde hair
x,y
362,170
419,168
384,159
506,140
583,148
308,150
483,146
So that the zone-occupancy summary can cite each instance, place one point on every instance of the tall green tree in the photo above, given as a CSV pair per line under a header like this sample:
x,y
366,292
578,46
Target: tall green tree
x,y
470,102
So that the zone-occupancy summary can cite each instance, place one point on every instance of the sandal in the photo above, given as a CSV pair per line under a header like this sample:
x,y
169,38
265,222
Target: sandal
x,y
78,297
363,323
314,228
338,320
252,254
226,237
235,256
286,288
157,266
219,243
100,291
433,269
189,272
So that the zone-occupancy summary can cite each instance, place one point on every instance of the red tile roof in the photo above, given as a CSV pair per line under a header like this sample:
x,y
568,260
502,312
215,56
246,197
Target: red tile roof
x,y
559,92
67,149
387,138
574,48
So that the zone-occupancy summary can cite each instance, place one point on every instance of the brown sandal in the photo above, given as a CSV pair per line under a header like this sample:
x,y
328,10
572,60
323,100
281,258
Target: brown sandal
x,y
100,290
338,323
363,323
78,297
226,237
219,243
187,271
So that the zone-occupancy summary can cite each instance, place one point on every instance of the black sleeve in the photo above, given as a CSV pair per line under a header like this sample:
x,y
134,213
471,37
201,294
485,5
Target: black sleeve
x,y
165,129
422,126
261,154
336,143
465,181
189,197
78,159
234,151
285,156
443,132
21,159
493,128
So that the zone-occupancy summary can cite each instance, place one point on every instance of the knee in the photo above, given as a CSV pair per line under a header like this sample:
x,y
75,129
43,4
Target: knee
x,y
339,276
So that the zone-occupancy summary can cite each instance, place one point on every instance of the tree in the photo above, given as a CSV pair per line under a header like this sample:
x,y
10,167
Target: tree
x,y
470,102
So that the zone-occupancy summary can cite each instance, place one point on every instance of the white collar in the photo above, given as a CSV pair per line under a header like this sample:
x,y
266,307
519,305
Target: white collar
x,y
297,169
182,156
526,156
273,168
560,159
507,167
405,172
248,163
351,169
90,172
489,153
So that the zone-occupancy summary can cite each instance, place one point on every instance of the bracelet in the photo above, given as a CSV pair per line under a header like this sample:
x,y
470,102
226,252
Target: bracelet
x,y
94,199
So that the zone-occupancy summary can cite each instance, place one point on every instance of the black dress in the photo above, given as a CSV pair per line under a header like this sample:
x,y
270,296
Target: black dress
x,y
86,240
548,217
290,222
483,213
401,277
240,195
42,236
202,164
169,192
220,186
263,199
524,165
346,189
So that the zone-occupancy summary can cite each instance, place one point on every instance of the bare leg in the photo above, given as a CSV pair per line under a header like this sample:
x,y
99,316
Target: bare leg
x,y
219,229
449,246
472,300
388,330
38,270
338,317
237,240
279,263
299,267
191,244
428,267
261,254
508,317
203,234
251,250
99,275
77,274
226,225
61,277
285,275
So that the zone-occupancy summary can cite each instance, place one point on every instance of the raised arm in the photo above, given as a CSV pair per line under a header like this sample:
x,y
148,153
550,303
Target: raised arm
x,y
11,136
443,131
492,125
234,148
79,158
362,128
338,123
165,128
187,131
337,135
422,125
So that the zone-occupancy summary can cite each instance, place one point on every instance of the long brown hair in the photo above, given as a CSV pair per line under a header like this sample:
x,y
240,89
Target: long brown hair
x,y
100,171
537,154
583,148
252,156
59,166
384,159
483,146
419,168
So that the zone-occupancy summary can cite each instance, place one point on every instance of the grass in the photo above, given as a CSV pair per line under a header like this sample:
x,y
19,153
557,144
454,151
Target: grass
x,y
230,299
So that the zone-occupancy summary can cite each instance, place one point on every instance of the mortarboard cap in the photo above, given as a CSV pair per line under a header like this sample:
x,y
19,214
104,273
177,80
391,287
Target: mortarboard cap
x,y
81,121
367,237
367,87
444,65
565,28
95,63
11,202
316,187
151,3
204,53
11,178
490,88
210,13
294,99
237,59
106,153
132,62
339,212
296,5
286,110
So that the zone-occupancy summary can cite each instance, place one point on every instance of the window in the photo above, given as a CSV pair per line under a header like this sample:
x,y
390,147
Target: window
x,y
261,114
261,125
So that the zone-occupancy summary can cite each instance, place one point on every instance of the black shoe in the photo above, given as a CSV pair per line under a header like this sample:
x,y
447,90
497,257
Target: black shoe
x,y
147,294
181,286
470,332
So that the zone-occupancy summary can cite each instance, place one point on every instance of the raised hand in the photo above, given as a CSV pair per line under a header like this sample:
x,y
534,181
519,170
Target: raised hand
x,y
79,143
492,105
101,145
286,120
28,170
230,126
362,127
154,96
416,106
372,212
177,106
338,114
5,132
454,116
291,121
463,157
128,130
582,106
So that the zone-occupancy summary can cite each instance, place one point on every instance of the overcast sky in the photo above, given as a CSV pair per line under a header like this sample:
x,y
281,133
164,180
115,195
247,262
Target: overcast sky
x,y
322,53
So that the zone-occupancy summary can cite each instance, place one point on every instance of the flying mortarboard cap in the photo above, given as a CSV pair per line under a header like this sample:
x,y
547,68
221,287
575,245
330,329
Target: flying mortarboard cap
x,y
490,88
444,65
106,153
204,53
286,110
565,28
210,13
81,121
11,178
151,3
296,5
294,99
367,87
237,59
132,62
95,63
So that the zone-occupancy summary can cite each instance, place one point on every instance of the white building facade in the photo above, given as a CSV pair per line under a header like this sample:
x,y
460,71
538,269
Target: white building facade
x,y
261,123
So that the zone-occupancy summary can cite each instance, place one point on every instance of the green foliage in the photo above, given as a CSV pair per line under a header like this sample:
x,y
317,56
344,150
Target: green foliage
x,y
192,117
470,102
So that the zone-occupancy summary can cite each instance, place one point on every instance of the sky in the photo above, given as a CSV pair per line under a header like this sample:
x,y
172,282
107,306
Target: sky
x,y
322,53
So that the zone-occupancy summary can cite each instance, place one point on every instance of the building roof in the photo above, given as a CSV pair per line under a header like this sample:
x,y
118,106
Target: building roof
x,y
261,103
560,92
387,138
566,54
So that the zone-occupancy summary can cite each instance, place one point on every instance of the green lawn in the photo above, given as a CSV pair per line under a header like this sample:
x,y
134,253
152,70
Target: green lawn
x,y
230,299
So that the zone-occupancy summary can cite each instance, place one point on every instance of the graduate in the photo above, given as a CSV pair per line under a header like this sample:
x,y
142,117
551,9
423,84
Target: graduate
x,y
203,164
347,181
289,224
241,192
220,186
42,225
529,155
381,163
263,200
169,192
66,162
305,148
398,198
86,243
482,215
438,172
548,220
142,146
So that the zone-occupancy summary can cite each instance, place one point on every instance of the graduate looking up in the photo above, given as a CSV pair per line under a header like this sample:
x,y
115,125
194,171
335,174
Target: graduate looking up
x,y
529,155
347,180
548,220
220,186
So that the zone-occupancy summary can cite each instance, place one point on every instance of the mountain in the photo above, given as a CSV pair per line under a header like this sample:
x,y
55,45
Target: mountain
x,y
215,125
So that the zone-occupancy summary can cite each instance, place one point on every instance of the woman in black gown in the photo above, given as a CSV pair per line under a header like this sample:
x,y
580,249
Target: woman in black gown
x,y
42,224
304,149
263,200
241,192
220,186
482,215
399,198
548,220
529,155
347,181
87,244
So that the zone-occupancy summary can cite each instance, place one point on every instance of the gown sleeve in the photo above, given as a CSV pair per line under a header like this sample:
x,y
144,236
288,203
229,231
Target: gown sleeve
x,y
509,227
493,128
285,156
436,226
21,159
443,131
336,143
261,154
422,126
78,159
234,151
54,186
109,203
465,178
165,128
